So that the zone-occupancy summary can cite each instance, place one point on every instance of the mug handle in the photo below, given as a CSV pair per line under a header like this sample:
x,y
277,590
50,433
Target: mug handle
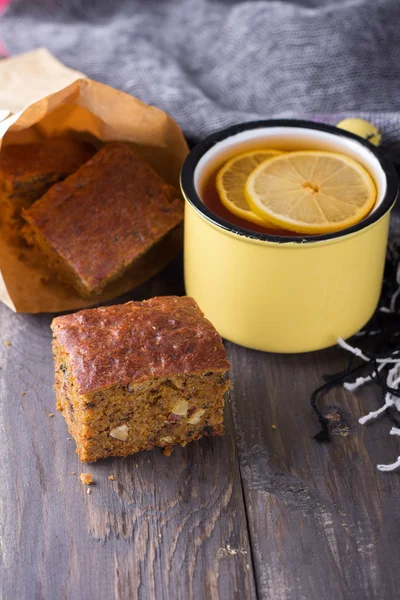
x,y
362,128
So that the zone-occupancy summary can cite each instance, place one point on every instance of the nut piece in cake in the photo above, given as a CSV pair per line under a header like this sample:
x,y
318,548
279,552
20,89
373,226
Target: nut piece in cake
x,y
27,171
139,375
95,224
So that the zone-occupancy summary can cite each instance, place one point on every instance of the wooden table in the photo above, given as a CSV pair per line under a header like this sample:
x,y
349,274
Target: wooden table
x,y
264,512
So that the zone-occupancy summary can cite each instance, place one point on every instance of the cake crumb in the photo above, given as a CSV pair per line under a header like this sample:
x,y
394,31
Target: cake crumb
x,y
51,414
73,472
68,438
7,343
229,551
111,477
86,478
273,426
23,393
136,465
89,491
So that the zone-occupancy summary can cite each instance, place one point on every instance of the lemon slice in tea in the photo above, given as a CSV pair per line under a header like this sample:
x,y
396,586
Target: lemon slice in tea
x,y
231,179
311,192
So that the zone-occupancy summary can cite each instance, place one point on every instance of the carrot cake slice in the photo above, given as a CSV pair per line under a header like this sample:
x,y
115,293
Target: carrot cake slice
x,y
27,171
94,225
139,375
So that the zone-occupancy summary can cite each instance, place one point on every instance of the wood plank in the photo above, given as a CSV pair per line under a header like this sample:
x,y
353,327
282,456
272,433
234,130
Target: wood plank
x,y
324,522
165,528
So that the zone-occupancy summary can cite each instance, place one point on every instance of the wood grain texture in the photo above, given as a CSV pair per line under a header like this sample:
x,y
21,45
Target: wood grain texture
x,y
324,523
262,512
165,528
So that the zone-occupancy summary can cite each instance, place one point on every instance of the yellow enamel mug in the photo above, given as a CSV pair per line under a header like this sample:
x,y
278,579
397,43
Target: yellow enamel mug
x,y
278,293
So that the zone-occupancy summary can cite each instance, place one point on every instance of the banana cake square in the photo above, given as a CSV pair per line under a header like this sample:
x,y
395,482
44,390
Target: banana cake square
x,y
139,375
94,225
27,171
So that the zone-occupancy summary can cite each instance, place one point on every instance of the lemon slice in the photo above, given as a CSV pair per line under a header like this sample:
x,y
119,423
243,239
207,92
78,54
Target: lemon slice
x,y
311,191
231,179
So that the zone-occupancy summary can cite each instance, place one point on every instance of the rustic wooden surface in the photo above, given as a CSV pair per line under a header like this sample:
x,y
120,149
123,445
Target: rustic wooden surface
x,y
261,513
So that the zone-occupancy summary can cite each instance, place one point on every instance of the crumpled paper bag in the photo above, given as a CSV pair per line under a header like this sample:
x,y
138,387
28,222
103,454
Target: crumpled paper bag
x,y
42,98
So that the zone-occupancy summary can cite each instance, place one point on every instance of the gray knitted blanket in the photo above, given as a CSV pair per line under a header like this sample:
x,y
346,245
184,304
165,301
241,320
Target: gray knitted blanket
x,y
212,63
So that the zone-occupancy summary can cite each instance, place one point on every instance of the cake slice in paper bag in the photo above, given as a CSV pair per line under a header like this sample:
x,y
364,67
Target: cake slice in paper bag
x,y
97,223
57,102
27,171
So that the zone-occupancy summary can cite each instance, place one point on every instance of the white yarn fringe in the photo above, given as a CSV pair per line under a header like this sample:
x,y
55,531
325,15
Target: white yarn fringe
x,y
392,303
392,379
397,292
391,467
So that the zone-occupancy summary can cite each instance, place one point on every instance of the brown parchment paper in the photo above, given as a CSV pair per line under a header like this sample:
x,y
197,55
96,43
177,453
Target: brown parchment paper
x,y
42,98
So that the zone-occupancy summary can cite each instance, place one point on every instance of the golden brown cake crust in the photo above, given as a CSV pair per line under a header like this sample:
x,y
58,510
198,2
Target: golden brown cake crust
x,y
104,216
57,155
132,342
